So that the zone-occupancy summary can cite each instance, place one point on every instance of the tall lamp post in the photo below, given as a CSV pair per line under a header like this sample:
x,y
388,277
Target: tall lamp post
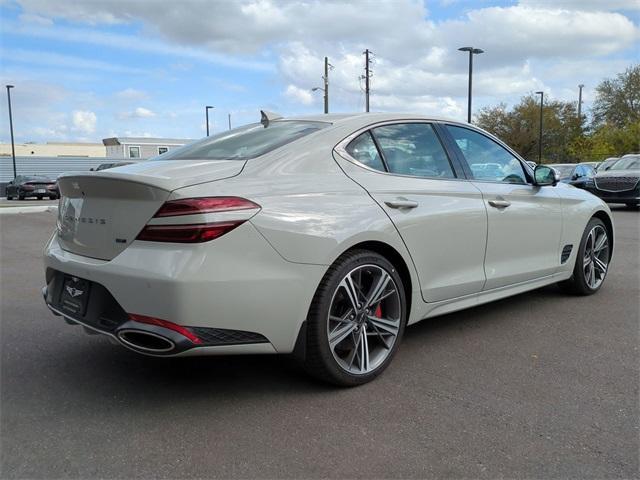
x,y
472,51
580,87
13,147
540,129
206,114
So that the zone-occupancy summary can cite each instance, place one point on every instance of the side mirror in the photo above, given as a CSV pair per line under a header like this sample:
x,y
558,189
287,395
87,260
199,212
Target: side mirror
x,y
575,176
544,175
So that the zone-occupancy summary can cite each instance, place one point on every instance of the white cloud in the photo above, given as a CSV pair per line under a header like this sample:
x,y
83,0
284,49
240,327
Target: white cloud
x,y
84,121
599,5
299,95
138,112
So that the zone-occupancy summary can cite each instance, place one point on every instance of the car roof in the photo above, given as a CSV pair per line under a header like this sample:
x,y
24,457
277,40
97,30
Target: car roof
x,y
371,117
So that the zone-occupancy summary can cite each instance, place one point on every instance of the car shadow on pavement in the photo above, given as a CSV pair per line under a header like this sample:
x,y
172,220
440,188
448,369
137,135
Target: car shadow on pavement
x,y
101,368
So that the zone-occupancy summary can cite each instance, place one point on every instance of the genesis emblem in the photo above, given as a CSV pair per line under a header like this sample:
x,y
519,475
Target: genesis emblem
x,y
74,292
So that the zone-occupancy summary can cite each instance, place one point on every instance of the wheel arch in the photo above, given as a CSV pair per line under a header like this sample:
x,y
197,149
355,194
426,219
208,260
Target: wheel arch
x,y
608,223
398,261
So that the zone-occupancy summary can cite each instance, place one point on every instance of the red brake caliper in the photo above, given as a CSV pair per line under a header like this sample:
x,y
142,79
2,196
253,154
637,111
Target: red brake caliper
x,y
378,312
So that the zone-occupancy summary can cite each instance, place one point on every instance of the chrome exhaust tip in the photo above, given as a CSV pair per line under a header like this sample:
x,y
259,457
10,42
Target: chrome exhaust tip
x,y
145,341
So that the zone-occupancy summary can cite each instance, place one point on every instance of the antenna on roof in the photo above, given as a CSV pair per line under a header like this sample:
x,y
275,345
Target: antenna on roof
x,y
266,117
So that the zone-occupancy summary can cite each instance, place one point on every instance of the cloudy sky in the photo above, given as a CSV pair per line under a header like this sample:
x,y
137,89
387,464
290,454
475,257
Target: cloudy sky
x,y
88,69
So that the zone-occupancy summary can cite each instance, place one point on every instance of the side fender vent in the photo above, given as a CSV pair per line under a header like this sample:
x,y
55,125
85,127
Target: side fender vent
x,y
566,253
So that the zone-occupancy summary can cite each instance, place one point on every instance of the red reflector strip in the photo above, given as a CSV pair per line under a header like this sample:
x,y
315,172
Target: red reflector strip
x,y
184,331
191,206
197,233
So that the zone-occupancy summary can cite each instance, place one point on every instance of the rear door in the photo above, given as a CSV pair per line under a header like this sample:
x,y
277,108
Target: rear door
x,y
439,215
525,220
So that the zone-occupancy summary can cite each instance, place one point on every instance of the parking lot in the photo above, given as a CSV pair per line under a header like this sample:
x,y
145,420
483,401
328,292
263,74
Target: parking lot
x,y
540,385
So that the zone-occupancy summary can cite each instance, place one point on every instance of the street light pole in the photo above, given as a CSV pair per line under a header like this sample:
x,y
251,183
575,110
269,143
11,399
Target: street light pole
x,y
540,129
326,85
206,114
472,51
580,87
229,121
13,147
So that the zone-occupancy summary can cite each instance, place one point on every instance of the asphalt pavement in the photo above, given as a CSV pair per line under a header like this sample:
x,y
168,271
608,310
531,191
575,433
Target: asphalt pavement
x,y
541,385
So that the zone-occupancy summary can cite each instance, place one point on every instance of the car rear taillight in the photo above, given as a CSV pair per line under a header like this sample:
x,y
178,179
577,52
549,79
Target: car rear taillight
x,y
184,331
192,206
196,232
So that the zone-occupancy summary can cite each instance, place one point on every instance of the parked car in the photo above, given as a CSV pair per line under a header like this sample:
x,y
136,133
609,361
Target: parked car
x,y
106,166
576,174
26,186
320,236
606,164
619,183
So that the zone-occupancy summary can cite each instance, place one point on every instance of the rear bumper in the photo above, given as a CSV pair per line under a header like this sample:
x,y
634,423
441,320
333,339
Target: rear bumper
x,y
237,282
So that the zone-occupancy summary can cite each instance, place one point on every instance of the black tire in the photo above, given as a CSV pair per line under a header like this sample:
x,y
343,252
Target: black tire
x,y
20,197
9,197
319,358
577,284
39,198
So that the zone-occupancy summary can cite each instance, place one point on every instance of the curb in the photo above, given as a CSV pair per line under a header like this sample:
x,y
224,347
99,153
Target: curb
x,y
44,208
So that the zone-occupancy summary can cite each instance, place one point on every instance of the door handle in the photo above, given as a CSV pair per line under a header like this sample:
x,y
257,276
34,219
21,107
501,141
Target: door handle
x,y
499,203
401,203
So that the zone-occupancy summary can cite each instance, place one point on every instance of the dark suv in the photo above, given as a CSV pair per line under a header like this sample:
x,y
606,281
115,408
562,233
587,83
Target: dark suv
x,y
620,183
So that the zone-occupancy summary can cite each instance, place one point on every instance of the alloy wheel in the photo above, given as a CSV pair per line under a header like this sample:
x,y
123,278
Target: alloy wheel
x,y
596,257
364,319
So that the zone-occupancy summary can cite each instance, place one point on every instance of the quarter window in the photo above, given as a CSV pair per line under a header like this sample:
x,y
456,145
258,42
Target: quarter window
x,y
413,149
487,159
162,150
364,150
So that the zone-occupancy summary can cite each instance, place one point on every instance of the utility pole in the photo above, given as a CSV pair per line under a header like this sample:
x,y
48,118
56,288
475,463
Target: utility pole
x,y
540,130
206,114
13,147
366,79
580,87
472,51
229,121
326,84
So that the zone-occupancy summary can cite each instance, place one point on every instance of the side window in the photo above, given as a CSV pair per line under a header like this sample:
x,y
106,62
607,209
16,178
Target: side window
x,y
487,159
413,149
134,152
364,150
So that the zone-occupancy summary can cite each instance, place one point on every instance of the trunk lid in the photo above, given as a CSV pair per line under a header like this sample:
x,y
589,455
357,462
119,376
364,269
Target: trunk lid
x,y
101,213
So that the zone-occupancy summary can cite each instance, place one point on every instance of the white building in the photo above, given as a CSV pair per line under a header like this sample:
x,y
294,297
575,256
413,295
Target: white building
x,y
54,149
141,147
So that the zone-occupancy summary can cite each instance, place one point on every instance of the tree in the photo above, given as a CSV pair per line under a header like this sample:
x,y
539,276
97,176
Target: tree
x,y
617,100
519,127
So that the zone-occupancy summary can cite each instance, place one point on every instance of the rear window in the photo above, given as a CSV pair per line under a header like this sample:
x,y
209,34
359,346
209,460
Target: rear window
x,y
246,142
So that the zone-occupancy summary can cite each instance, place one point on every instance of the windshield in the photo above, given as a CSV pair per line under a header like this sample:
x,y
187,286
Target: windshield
x,y
246,142
629,163
564,171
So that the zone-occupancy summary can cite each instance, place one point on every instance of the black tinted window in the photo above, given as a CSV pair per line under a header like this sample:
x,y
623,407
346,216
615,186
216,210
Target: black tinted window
x,y
245,142
413,149
487,159
364,150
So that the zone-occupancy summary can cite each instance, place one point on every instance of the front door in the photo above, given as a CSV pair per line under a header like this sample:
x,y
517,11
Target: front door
x,y
525,220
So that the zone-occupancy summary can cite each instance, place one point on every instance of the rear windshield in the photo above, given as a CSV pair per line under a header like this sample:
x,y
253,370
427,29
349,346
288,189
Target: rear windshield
x,y
246,142
38,179
563,170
